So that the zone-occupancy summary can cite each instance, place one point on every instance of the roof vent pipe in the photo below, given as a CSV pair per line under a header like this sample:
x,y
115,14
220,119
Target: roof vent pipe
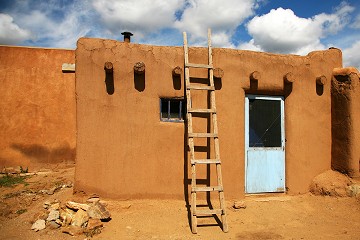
x,y
127,36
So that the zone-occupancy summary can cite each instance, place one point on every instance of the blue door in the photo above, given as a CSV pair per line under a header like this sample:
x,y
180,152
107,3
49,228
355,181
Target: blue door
x,y
264,144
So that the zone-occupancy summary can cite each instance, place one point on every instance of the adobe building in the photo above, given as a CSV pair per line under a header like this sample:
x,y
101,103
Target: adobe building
x,y
37,108
297,116
274,118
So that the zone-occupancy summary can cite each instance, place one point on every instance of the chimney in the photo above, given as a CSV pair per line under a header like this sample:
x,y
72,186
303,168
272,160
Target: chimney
x,y
127,36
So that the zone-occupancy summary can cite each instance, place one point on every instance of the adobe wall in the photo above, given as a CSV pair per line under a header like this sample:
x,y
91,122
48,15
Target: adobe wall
x,y
125,151
346,121
37,107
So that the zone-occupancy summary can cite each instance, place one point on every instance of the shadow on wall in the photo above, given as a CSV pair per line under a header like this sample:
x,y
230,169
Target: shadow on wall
x,y
44,154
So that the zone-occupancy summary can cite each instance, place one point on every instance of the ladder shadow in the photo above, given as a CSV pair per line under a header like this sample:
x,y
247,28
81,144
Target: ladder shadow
x,y
206,181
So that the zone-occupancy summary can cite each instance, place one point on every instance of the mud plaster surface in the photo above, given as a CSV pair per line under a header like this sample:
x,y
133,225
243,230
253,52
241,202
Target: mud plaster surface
x,y
125,151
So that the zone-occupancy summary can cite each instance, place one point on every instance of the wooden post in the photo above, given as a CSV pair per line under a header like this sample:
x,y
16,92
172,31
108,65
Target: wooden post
x,y
289,77
255,76
177,71
321,80
108,66
218,73
139,68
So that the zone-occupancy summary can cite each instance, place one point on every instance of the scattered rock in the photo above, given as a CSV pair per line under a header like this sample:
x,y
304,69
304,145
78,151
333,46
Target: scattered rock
x,y
55,206
53,215
330,183
127,206
239,204
98,211
354,190
94,227
74,218
40,216
94,223
80,218
77,206
93,199
66,216
38,225
73,230
53,225
47,204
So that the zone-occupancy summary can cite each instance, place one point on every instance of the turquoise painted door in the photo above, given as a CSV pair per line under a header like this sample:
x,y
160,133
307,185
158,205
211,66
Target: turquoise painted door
x,y
265,144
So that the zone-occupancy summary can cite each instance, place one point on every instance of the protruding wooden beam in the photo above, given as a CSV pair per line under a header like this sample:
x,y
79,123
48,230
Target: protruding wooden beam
x,y
289,77
68,67
108,66
139,68
321,80
177,71
255,76
218,73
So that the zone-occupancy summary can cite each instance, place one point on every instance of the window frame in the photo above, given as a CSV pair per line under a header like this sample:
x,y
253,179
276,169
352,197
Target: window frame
x,y
181,112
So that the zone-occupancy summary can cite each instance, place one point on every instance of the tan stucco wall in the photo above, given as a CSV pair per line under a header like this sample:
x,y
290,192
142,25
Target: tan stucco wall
x,y
125,151
37,107
346,121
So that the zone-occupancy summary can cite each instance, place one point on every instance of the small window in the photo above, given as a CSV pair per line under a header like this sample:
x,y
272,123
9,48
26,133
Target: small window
x,y
172,109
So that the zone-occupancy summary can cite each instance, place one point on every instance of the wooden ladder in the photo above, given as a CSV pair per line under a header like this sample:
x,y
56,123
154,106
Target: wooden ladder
x,y
195,212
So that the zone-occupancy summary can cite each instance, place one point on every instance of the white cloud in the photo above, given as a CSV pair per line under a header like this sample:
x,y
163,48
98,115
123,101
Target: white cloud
x,y
52,23
351,55
250,46
281,31
139,17
222,17
356,23
10,32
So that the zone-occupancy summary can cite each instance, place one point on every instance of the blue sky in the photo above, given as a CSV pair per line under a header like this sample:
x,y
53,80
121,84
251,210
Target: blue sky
x,y
279,26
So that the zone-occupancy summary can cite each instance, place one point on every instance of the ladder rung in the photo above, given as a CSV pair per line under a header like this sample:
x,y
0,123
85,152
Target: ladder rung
x,y
205,161
208,212
201,87
203,135
198,110
196,65
207,189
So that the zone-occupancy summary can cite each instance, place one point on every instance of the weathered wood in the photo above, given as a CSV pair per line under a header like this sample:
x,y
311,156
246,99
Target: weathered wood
x,y
139,68
68,67
321,80
177,71
203,135
199,110
255,76
289,77
205,161
197,65
218,73
108,66
213,134
207,189
197,87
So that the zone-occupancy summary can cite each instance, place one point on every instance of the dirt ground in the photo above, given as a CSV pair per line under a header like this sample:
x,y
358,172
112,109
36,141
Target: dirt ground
x,y
265,217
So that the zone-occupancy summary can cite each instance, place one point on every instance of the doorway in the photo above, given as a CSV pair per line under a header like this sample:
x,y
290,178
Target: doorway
x,y
264,144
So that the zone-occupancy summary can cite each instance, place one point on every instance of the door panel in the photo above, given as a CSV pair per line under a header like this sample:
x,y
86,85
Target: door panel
x,y
265,145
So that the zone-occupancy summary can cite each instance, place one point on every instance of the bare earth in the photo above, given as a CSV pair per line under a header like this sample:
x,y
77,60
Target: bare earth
x,y
265,217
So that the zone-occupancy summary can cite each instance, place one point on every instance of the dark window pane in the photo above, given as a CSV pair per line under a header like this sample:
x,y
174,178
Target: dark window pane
x,y
174,108
264,123
164,108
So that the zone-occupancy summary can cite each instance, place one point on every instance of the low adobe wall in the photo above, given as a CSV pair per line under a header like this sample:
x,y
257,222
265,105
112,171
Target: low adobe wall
x,y
125,151
346,121
37,107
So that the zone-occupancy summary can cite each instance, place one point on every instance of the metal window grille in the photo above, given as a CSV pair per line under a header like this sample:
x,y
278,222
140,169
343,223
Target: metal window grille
x,y
172,109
